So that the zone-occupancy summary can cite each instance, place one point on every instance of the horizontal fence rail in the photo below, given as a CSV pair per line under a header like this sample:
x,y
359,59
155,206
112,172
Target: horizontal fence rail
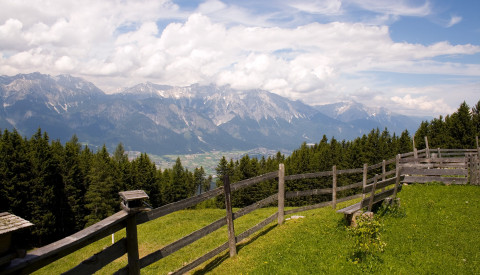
x,y
444,165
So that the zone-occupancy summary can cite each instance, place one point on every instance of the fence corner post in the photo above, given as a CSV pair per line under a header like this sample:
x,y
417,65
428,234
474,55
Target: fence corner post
x,y
281,193
334,187
232,242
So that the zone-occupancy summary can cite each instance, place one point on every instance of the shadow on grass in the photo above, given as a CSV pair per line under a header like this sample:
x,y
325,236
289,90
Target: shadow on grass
x,y
224,256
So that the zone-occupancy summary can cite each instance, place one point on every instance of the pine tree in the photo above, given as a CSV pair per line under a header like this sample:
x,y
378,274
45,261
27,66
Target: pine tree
x,y
476,118
460,128
74,180
102,194
144,178
48,203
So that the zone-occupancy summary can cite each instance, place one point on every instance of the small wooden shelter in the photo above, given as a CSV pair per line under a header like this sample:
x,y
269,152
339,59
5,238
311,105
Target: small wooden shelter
x,y
9,224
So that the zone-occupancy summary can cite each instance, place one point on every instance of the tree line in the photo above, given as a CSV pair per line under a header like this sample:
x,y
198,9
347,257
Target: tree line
x,y
455,131
64,188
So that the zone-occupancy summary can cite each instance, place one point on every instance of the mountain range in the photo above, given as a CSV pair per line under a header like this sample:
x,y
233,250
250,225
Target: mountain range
x,y
161,119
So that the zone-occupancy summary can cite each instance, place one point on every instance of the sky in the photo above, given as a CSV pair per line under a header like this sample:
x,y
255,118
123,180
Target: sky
x,y
412,57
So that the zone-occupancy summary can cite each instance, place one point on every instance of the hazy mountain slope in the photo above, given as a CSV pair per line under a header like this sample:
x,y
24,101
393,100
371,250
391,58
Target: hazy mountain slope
x,y
163,119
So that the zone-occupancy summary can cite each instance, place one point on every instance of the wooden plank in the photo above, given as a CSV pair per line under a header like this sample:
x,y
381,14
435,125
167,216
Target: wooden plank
x,y
454,180
389,173
349,171
256,227
255,206
101,259
45,255
458,150
350,209
433,160
309,175
349,198
390,161
248,182
308,207
175,206
406,154
201,259
350,186
375,166
380,184
435,172
178,244
296,194
380,196
434,165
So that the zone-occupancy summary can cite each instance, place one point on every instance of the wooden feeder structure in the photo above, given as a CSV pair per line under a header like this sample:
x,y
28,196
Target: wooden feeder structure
x,y
134,200
9,224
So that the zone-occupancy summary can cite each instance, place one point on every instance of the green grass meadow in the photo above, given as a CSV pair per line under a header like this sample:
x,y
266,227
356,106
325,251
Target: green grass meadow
x,y
439,234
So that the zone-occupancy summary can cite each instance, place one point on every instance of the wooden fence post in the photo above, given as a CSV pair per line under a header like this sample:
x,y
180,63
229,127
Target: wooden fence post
x,y
232,243
132,245
476,138
334,187
415,153
427,150
364,181
281,193
384,171
372,195
397,175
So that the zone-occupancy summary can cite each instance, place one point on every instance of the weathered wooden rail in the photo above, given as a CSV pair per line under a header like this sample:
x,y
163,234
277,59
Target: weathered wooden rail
x,y
408,167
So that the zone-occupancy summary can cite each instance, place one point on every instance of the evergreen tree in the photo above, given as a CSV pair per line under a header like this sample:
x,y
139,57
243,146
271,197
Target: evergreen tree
x,y
74,181
48,205
15,174
144,178
460,128
102,194
476,118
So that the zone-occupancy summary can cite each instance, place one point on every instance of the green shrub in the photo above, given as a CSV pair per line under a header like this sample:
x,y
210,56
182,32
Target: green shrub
x,y
367,237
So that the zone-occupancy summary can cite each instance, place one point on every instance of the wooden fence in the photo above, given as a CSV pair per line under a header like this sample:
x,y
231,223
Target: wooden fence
x,y
374,178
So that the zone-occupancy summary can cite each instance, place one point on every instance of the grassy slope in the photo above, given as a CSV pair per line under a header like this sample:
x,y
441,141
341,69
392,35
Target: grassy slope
x,y
438,235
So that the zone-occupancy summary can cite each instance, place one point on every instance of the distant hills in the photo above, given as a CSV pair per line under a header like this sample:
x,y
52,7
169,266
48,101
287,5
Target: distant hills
x,y
161,119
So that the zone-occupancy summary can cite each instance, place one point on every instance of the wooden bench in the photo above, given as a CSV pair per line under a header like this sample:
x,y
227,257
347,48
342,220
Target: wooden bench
x,y
349,211
374,199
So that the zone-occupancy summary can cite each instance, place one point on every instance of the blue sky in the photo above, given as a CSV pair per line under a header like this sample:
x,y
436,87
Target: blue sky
x,y
413,57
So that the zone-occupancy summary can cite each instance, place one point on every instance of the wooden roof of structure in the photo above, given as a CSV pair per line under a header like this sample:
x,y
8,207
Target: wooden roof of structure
x,y
133,195
10,222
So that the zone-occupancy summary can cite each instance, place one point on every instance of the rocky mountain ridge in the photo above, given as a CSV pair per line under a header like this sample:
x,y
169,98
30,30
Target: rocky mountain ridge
x,y
162,119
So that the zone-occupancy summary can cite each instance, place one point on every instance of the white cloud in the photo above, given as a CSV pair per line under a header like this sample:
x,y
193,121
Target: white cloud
x,y
117,45
422,104
395,7
454,20
328,7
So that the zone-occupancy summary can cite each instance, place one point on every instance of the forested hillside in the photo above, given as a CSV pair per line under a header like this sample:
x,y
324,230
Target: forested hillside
x,y
62,188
